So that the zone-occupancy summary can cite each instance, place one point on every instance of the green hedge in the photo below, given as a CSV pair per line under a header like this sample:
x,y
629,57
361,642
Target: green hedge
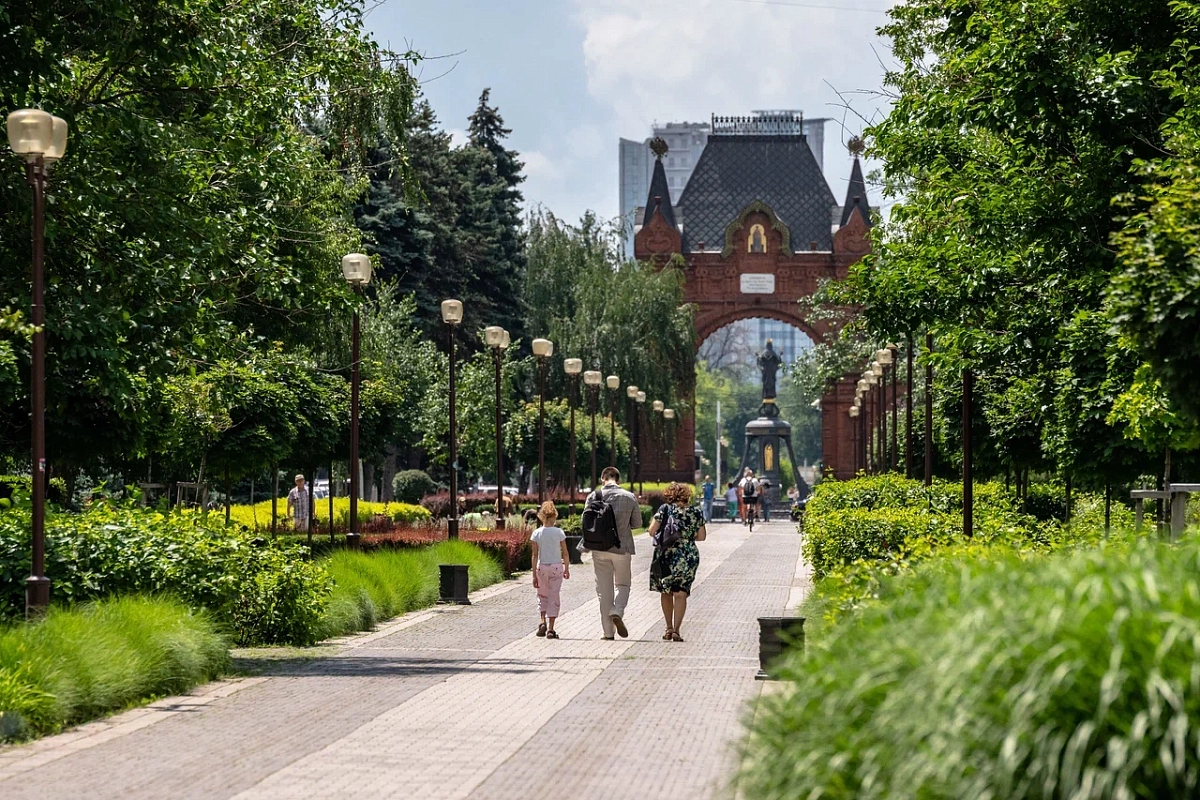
x,y
79,664
841,537
371,587
1072,675
264,594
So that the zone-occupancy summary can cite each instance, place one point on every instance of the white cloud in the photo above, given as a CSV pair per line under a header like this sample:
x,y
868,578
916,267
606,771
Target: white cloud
x,y
686,59
540,168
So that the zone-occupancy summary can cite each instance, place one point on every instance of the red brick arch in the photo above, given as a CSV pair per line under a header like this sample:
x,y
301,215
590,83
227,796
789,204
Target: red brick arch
x,y
713,287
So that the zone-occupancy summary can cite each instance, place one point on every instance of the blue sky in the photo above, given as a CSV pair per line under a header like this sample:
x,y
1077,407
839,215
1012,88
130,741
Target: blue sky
x,y
573,76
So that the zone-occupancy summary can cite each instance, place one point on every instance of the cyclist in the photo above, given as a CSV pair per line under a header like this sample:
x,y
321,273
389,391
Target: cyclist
x,y
750,491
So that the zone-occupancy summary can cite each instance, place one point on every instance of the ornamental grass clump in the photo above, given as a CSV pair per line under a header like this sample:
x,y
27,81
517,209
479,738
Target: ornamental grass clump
x,y
1076,675
370,587
79,664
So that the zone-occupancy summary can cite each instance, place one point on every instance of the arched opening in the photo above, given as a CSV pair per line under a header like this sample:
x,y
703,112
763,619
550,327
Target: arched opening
x,y
728,375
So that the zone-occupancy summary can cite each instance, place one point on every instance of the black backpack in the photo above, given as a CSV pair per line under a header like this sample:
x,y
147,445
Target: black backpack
x,y
599,523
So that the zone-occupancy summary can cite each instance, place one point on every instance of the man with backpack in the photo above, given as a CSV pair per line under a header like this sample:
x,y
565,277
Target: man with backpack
x,y
749,487
610,516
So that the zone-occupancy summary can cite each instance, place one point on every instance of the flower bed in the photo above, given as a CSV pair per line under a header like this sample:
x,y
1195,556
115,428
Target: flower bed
x,y
258,516
510,546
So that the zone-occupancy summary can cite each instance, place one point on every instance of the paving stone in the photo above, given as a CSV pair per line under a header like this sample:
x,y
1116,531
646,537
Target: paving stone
x,y
461,702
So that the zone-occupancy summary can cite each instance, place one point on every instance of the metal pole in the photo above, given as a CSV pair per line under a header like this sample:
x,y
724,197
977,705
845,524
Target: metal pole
x,y
593,400
720,477
352,538
968,487
881,423
612,424
541,429
928,410
452,523
573,382
908,413
37,585
498,356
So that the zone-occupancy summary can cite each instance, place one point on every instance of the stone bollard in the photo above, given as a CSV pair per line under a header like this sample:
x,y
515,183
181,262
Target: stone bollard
x,y
776,634
454,585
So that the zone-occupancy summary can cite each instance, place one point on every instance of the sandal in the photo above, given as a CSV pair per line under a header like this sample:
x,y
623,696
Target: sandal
x,y
541,629
667,635
675,637
551,635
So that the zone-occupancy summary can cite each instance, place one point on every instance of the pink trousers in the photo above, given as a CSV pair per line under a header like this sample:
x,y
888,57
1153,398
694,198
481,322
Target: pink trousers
x,y
550,579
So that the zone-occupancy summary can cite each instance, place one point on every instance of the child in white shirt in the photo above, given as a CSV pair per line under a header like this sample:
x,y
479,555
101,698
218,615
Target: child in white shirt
x,y
551,566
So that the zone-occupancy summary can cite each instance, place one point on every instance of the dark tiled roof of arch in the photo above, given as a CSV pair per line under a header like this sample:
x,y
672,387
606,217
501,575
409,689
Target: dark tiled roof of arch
x,y
734,171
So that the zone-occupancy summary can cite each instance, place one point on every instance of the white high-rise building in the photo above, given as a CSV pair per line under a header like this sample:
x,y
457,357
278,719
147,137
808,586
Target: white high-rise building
x,y
685,141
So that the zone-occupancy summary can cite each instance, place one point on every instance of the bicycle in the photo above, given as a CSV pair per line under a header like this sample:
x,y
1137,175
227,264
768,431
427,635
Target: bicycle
x,y
751,511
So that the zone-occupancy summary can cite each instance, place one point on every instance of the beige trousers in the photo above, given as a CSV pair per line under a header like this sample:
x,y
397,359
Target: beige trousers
x,y
613,577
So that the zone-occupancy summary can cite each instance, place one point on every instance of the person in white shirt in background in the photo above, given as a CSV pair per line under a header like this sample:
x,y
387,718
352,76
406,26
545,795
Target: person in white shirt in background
x,y
551,567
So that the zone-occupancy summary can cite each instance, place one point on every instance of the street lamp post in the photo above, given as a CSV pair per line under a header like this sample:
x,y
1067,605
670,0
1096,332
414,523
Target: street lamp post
x,y
542,349
631,393
879,371
613,383
356,269
592,380
641,414
854,414
452,315
892,350
669,442
657,425
908,411
572,366
497,338
41,140
884,356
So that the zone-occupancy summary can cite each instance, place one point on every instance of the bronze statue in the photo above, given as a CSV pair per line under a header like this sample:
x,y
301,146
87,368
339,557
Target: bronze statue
x,y
769,362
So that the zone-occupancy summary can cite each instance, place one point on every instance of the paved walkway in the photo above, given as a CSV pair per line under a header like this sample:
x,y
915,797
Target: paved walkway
x,y
463,702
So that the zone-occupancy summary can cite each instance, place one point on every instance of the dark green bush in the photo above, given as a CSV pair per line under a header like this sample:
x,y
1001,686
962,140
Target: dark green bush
x,y
81,663
1070,676
1045,501
410,485
264,593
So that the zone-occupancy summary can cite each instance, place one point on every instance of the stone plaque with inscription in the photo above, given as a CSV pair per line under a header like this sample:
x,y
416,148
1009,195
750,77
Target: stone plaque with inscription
x,y
758,283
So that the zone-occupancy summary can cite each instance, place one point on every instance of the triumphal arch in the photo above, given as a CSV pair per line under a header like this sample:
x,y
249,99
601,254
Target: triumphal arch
x,y
757,227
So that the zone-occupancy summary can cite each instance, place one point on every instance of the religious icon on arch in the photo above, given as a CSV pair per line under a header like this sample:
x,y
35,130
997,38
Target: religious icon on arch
x,y
768,458
757,241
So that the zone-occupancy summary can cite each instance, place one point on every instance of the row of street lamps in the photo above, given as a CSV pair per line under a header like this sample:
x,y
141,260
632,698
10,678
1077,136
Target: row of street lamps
x,y
498,340
870,400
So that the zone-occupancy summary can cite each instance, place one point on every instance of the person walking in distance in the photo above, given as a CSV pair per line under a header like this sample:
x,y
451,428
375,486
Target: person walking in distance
x,y
551,567
731,501
610,516
709,489
297,505
749,488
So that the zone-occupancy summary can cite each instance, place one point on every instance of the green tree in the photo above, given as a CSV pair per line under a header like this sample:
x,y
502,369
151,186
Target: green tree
x,y
622,318
204,199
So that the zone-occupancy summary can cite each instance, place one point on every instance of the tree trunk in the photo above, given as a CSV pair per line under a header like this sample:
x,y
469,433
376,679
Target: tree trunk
x,y
227,491
312,509
274,500
330,482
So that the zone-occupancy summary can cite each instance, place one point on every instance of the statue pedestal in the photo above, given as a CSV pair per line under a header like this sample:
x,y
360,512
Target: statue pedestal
x,y
765,438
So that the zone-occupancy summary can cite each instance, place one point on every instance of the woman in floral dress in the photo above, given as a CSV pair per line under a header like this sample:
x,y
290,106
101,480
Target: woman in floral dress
x,y
680,561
